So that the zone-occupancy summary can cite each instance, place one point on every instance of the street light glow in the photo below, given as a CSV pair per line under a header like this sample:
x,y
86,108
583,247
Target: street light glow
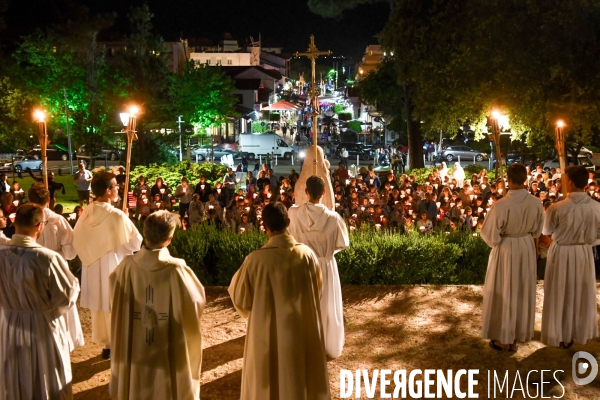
x,y
39,115
495,114
134,110
560,123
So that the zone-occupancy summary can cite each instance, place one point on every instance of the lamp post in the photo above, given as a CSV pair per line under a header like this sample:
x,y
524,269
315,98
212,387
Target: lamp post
x,y
128,119
496,139
40,116
560,148
179,121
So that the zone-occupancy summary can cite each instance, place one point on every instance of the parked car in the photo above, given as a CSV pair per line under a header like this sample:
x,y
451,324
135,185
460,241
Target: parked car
x,y
355,149
5,165
108,152
585,152
451,153
25,163
53,152
585,161
204,152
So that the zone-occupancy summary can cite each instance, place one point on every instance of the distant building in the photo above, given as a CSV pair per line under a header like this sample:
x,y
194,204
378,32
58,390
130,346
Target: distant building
x,y
370,61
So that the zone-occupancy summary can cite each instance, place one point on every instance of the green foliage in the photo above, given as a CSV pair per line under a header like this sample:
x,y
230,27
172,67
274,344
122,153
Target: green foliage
x,y
372,258
345,116
355,125
172,173
338,108
260,126
203,95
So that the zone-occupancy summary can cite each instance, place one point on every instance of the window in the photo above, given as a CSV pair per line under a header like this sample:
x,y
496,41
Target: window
x,y
219,61
229,61
208,62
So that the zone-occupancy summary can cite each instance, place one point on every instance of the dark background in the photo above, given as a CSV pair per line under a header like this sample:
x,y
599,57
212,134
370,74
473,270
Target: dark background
x,y
287,23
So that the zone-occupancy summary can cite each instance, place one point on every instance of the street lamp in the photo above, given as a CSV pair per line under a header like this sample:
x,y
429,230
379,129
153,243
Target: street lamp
x,y
40,117
560,147
495,136
128,119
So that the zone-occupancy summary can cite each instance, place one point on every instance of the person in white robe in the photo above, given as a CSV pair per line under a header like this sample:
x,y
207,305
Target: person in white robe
x,y
58,236
458,173
157,305
36,290
325,232
443,172
509,228
300,196
102,237
277,289
570,311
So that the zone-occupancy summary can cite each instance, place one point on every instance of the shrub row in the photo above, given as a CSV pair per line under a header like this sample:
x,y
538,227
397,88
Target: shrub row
x,y
372,258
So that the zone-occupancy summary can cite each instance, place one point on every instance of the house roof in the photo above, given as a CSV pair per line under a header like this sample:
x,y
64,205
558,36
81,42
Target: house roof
x,y
251,72
247,84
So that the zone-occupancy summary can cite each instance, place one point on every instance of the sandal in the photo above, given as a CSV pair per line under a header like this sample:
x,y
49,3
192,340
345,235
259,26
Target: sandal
x,y
496,347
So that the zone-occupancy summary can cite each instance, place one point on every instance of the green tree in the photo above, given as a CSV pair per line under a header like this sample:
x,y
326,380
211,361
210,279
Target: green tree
x,y
202,94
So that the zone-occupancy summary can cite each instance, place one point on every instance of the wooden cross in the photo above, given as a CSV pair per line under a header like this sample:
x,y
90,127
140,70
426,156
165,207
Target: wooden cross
x,y
313,53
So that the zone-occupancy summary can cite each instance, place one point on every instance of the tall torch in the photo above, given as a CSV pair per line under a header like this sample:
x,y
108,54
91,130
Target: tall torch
x,y
496,139
128,119
40,116
560,148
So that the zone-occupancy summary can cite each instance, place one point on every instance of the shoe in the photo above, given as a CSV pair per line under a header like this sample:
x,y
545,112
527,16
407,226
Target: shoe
x,y
106,354
496,347
566,346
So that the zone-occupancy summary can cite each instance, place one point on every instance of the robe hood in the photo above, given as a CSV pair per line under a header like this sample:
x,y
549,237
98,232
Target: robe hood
x,y
101,228
309,215
283,241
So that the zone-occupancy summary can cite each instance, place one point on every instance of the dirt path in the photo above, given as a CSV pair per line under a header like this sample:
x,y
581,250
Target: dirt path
x,y
410,327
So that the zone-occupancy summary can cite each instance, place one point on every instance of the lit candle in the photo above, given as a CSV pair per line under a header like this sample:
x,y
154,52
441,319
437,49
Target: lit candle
x,y
202,187
371,180
352,228
347,181
255,195
218,190
12,217
438,204
408,191
247,209
157,204
162,191
210,207
16,202
72,216
354,215
145,201
378,226
362,208
452,204
392,187
371,201
337,204
144,191
268,195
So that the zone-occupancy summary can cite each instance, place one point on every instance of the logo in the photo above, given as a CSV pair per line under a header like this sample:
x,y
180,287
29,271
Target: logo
x,y
581,367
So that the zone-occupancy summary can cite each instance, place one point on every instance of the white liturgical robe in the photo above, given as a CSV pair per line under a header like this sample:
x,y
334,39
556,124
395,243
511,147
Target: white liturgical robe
x,y
509,292
103,236
570,282
58,236
36,289
277,289
156,310
325,232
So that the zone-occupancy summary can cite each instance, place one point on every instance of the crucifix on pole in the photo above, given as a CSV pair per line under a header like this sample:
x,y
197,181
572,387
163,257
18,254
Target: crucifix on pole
x,y
313,53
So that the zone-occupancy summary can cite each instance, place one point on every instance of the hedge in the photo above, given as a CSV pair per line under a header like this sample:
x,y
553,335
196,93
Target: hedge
x,y
172,173
372,258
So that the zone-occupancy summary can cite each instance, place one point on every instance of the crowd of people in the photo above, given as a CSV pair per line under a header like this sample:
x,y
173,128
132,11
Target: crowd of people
x,y
146,306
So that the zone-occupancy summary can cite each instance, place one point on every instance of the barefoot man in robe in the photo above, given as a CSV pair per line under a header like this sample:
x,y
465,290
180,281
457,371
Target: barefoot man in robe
x,y
325,232
102,237
277,289
511,225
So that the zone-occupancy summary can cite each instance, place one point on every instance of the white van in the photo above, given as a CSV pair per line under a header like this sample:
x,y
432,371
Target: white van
x,y
252,145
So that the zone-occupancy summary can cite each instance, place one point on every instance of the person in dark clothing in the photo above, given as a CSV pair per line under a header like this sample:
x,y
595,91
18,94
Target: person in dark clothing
x,y
53,186
203,189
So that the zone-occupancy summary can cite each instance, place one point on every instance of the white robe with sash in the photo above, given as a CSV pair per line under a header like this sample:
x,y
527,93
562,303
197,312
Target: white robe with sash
x,y
570,282
509,292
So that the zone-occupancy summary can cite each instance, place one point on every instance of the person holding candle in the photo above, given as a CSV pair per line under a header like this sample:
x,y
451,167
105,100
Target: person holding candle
x,y
570,312
184,192
83,177
508,313
325,232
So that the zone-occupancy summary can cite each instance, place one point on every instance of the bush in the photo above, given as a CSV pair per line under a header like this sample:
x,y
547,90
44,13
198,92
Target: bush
x,y
372,257
172,173
258,127
338,108
355,126
345,116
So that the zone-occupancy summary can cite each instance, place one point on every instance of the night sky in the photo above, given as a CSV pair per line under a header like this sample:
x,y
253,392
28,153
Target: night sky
x,y
286,22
